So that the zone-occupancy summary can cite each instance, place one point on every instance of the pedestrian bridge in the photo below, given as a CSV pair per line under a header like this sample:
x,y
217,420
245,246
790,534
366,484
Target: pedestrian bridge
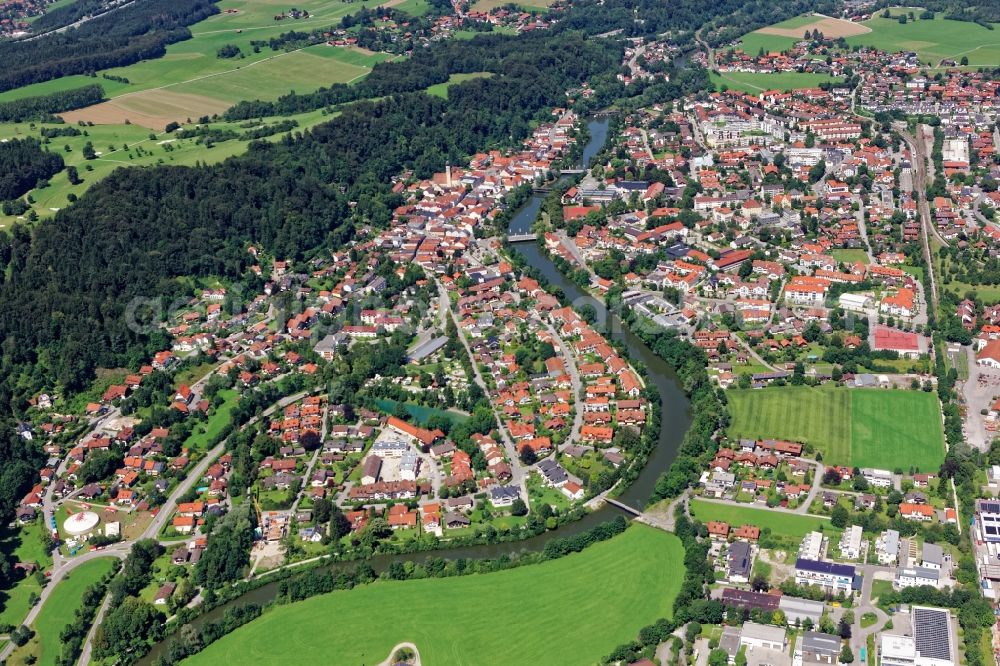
x,y
519,238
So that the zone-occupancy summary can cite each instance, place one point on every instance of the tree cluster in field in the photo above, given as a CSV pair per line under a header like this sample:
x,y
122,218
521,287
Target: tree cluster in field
x,y
24,163
136,32
42,107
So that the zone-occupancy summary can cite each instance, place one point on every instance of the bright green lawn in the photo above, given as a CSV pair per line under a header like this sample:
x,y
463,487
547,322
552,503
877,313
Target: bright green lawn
x,y
862,427
61,606
441,89
754,42
779,522
753,82
199,440
23,544
933,40
111,88
851,256
556,612
891,429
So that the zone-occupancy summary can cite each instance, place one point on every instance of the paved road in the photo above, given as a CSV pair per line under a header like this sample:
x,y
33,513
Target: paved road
x,y
754,355
574,375
518,472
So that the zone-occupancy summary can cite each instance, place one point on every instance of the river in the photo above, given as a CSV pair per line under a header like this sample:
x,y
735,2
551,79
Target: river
x,y
675,417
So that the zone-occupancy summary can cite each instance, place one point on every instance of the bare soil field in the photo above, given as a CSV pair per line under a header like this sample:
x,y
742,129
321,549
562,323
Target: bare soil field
x,y
830,27
151,108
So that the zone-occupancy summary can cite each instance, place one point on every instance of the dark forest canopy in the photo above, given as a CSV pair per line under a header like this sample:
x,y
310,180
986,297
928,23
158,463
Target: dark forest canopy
x,y
43,107
23,162
128,35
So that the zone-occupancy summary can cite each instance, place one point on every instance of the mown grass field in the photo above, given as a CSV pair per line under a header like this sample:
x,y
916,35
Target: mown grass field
x,y
818,416
892,429
204,434
556,612
779,522
933,40
59,611
754,82
856,427
851,256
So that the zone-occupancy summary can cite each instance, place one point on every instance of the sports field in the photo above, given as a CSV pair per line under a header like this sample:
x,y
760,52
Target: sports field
x,y
856,427
557,612
892,429
779,522
933,40
754,82
60,608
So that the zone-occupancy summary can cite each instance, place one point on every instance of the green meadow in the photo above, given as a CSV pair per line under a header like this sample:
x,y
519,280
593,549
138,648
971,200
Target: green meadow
x,y
754,82
556,612
933,40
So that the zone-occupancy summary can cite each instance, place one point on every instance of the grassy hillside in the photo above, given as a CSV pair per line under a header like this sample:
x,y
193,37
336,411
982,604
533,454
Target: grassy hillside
x,y
550,613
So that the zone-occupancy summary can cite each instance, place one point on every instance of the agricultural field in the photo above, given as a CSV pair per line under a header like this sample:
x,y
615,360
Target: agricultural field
x,y
781,36
780,523
184,91
856,427
568,620
755,82
59,611
208,84
933,40
144,148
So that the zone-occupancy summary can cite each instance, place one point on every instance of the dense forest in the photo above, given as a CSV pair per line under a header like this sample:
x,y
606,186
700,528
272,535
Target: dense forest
x,y
43,107
23,162
131,34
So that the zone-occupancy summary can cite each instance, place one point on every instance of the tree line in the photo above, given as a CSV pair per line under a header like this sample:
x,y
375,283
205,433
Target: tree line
x,y
42,107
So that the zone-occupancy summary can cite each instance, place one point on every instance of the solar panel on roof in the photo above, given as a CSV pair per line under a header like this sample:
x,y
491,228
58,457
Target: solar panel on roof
x,y
931,634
